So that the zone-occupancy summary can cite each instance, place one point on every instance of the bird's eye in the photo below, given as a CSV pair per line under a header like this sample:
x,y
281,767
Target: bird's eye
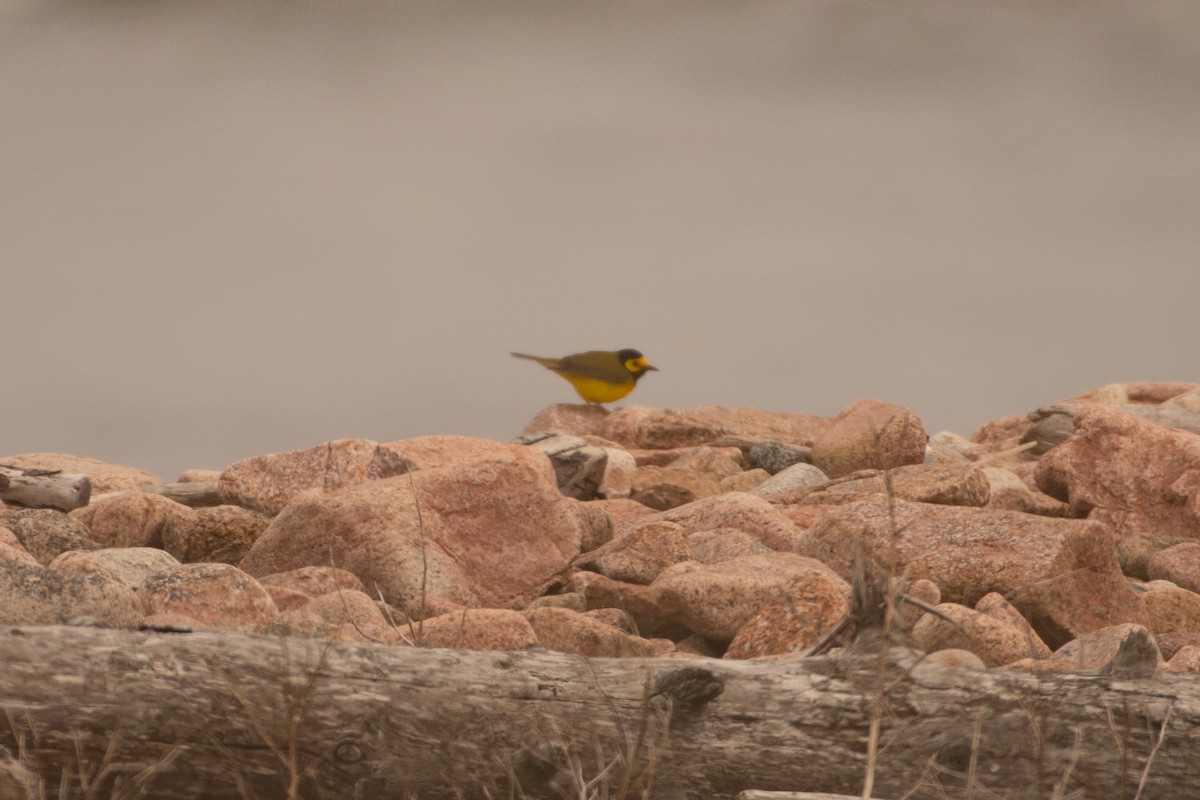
x,y
636,364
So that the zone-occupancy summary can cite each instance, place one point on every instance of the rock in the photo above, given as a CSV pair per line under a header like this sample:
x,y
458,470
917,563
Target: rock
x,y
494,532
354,617
1179,564
1186,660
959,659
869,434
923,590
221,534
571,632
623,515
812,609
595,525
578,466
717,600
314,581
45,533
744,512
580,419
1097,649
138,519
662,428
105,477
199,476
1170,643
617,480
267,483
722,544
478,629
219,595
640,556
1170,609
662,488
944,484
797,476
1134,475
1002,434
36,595
1061,574
11,547
992,637
617,618
746,481
775,457
572,600
129,565
1006,490
715,462
640,602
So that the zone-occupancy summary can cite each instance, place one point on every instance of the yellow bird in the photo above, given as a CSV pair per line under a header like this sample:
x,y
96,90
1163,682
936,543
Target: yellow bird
x,y
600,376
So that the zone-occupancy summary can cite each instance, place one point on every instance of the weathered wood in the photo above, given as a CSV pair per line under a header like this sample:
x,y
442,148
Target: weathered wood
x,y
219,715
198,494
44,488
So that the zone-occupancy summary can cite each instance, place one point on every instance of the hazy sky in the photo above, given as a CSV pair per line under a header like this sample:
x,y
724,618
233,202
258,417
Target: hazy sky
x,y
230,228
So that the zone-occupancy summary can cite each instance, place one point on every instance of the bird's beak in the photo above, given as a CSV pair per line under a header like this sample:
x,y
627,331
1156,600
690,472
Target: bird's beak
x,y
653,368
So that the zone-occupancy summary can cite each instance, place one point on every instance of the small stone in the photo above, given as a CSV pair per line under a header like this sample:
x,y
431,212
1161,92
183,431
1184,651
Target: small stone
x,y
775,457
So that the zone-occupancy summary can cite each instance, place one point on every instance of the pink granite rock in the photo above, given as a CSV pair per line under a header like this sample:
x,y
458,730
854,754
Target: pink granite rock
x,y
45,533
571,632
215,594
478,629
491,532
744,512
812,609
869,434
1062,574
717,600
1138,477
991,637
138,519
220,534
663,428
129,565
31,594
640,556
1170,608
267,483
1179,564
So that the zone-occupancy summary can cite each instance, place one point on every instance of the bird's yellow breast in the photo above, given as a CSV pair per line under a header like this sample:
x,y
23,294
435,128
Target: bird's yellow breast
x,y
594,390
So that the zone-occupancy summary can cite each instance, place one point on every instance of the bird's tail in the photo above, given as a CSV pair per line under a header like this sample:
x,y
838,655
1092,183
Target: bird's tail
x,y
545,362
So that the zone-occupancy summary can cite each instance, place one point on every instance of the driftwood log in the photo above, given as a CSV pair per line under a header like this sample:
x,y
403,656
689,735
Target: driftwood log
x,y
44,488
198,494
220,715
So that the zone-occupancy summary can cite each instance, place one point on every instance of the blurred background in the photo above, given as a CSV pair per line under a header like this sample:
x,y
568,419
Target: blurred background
x,y
232,228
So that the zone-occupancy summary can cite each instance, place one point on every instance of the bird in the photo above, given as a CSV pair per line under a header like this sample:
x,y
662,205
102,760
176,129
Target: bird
x,y
600,376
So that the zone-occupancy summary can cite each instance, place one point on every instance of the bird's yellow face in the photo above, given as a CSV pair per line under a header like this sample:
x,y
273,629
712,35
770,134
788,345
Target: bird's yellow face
x,y
635,362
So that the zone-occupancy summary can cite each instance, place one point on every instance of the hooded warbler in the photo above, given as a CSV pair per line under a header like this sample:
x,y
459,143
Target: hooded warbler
x,y
600,376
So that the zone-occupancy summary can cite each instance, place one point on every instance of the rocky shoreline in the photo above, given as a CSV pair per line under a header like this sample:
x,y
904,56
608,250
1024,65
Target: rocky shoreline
x,y
1043,542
